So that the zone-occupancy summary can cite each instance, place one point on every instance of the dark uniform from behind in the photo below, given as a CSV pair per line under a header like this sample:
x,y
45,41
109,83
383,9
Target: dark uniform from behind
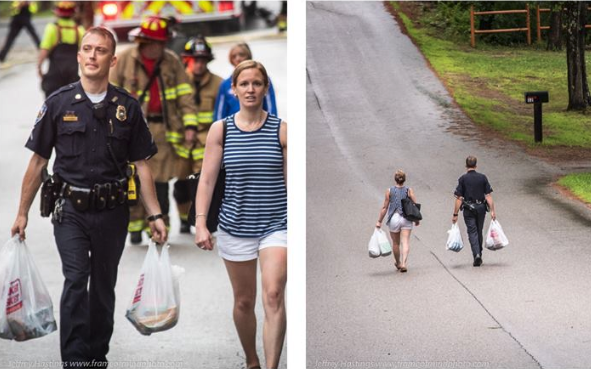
x,y
472,195
91,214
21,18
60,45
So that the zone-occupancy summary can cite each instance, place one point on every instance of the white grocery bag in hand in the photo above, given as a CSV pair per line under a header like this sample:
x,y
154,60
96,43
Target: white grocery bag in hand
x,y
384,242
495,237
454,239
155,305
26,310
374,245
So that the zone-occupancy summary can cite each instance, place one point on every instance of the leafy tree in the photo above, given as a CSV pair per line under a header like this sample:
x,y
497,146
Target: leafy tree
x,y
578,89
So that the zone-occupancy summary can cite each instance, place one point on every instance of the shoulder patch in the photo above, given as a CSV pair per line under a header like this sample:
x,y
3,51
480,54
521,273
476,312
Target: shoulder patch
x,y
41,113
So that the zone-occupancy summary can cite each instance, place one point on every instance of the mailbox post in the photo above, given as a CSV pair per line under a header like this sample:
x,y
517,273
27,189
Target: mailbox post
x,y
537,98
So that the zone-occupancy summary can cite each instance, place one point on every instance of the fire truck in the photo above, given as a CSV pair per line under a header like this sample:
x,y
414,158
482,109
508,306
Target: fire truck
x,y
122,16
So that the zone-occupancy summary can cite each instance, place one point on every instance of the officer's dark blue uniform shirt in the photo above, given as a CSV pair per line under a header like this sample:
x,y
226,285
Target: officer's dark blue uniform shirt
x,y
473,186
66,123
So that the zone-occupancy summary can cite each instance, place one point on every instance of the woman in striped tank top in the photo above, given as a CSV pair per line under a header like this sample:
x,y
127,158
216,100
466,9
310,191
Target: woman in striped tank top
x,y
400,227
253,215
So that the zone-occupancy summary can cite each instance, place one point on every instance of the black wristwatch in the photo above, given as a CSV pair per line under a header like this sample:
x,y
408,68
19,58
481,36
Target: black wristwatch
x,y
154,217
456,214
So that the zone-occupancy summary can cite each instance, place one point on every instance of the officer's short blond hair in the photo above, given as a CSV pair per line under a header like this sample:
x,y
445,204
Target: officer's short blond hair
x,y
471,161
103,32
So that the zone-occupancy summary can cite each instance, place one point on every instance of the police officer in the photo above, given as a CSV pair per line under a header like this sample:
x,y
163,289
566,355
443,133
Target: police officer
x,y
473,194
156,76
96,129
60,44
21,17
196,55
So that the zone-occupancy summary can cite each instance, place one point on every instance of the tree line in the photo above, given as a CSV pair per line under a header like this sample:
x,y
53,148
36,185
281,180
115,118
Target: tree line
x,y
567,20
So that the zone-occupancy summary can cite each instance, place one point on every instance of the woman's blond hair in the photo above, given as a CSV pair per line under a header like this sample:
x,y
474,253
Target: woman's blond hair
x,y
249,64
399,177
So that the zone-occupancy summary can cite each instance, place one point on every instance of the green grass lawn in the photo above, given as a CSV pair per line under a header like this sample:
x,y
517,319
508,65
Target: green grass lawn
x,y
579,185
489,84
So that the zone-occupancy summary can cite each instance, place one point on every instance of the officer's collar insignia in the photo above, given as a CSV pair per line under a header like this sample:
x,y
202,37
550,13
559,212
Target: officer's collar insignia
x,y
41,113
78,96
70,116
114,99
121,113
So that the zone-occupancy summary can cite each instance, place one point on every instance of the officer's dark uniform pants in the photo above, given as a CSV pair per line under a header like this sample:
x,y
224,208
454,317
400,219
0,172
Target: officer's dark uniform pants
x,y
474,223
90,244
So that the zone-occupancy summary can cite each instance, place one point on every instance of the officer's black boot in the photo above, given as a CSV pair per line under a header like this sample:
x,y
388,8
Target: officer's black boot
x,y
135,237
185,226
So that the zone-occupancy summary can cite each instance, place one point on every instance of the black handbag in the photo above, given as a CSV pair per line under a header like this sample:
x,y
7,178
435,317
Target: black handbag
x,y
410,210
216,198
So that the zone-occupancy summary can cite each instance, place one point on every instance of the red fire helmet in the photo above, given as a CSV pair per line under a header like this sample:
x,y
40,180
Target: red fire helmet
x,y
65,8
153,28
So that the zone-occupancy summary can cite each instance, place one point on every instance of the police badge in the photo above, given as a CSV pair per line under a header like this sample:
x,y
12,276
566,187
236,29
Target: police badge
x,y
121,113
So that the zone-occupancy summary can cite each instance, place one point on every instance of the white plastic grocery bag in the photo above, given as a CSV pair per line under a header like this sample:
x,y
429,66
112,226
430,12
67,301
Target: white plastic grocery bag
x,y
155,305
26,310
374,245
384,242
454,239
495,237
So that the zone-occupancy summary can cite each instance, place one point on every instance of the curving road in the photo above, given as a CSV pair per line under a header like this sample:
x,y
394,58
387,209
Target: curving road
x,y
374,106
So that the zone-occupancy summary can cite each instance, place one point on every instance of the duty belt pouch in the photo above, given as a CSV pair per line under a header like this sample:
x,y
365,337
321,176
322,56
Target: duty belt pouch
x,y
80,198
121,194
111,191
100,197
49,192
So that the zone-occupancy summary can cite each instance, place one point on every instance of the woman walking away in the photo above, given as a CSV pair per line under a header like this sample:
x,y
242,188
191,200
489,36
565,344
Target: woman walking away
x,y
400,227
253,215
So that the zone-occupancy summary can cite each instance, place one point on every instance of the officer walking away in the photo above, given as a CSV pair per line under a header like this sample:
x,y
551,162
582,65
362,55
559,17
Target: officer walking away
x,y
156,76
60,44
96,130
21,17
196,56
474,197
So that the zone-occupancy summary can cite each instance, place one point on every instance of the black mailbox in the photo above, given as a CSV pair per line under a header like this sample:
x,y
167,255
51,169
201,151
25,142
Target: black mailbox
x,y
536,97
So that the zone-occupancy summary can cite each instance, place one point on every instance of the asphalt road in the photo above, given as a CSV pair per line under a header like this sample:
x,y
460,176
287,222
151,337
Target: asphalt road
x,y
374,106
205,336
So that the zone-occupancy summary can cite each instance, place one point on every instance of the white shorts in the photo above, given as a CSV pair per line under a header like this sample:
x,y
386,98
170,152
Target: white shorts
x,y
399,222
243,249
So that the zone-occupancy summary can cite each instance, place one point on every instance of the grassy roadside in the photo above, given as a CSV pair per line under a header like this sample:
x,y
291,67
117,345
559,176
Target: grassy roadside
x,y
489,82
579,185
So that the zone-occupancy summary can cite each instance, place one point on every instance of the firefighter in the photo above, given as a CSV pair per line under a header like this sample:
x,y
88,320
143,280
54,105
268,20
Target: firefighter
x,y
21,17
60,45
196,55
155,75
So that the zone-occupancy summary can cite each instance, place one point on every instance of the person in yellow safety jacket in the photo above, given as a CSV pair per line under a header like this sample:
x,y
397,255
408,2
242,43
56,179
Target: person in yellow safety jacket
x,y
21,12
155,75
60,44
196,56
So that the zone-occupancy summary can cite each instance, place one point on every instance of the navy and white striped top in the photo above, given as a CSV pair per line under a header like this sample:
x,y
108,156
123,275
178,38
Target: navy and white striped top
x,y
255,200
